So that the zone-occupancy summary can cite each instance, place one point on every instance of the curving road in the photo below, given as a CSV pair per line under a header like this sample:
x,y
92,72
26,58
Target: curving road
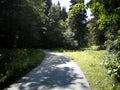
x,y
56,72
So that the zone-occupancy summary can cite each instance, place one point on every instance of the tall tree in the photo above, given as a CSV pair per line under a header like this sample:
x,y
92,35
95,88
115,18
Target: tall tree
x,y
77,22
63,14
54,29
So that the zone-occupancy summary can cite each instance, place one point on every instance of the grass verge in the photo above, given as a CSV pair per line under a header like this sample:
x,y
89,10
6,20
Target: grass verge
x,y
16,63
91,62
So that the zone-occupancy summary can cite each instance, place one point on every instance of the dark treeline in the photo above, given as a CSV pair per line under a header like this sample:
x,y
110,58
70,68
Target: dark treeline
x,y
39,24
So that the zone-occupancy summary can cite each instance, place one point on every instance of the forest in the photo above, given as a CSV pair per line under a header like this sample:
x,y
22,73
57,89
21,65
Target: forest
x,y
29,25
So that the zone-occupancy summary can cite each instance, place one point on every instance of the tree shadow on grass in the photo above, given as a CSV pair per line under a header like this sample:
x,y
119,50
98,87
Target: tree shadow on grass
x,y
53,72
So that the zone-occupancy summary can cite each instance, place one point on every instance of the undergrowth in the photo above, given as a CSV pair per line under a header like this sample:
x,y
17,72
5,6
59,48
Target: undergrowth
x,y
16,63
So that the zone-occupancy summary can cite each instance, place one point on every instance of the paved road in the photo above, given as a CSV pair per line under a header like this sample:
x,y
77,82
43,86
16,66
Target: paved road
x,y
56,72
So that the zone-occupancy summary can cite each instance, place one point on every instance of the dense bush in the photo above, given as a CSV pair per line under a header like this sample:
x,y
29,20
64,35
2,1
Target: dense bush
x,y
113,59
108,19
15,63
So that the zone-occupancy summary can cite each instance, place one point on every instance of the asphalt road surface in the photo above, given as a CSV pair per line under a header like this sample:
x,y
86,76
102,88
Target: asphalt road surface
x,y
56,72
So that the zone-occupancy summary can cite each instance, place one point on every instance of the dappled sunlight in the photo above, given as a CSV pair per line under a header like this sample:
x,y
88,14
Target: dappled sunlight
x,y
91,62
55,73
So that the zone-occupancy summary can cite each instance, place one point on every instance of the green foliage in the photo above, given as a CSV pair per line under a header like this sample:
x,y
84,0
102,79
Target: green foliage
x,y
77,23
55,28
69,41
91,62
108,19
113,65
58,19
63,14
39,24
23,31
76,9
95,36
16,63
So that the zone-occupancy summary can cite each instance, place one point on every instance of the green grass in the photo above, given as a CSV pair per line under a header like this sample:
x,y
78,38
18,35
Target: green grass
x,y
16,63
91,62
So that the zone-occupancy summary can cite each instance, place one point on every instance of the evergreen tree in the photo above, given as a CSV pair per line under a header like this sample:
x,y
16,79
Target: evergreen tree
x,y
63,14
20,22
77,23
49,4
54,33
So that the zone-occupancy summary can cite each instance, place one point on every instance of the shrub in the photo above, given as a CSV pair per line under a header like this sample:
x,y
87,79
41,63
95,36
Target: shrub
x,y
16,63
112,62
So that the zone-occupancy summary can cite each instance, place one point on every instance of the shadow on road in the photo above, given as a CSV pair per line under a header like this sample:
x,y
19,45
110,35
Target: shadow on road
x,y
55,71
